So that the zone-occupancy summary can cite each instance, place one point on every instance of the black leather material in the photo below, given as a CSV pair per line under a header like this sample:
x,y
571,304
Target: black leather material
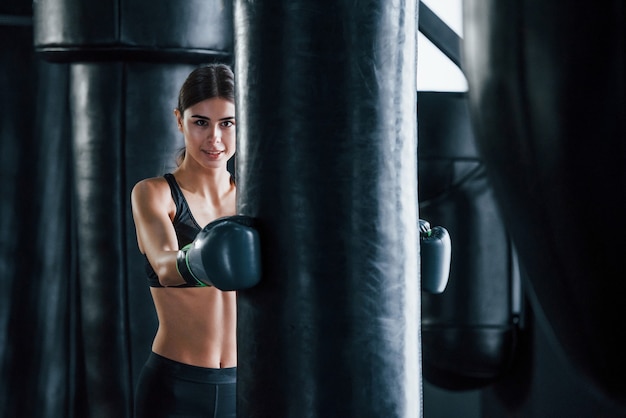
x,y
91,295
327,164
225,254
36,325
548,99
131,30
97,114
469,332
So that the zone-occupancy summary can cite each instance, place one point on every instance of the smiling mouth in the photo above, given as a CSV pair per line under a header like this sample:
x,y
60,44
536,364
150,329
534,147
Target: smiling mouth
x,y
213,153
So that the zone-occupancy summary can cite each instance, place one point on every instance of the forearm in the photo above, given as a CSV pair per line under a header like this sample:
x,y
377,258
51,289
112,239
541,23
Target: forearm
x,y
164,265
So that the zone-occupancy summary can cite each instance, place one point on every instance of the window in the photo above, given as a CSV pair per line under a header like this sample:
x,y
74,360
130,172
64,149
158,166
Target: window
x,y
435,71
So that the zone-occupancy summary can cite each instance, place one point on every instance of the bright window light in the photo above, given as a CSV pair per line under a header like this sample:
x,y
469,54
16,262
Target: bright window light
x,y
435,72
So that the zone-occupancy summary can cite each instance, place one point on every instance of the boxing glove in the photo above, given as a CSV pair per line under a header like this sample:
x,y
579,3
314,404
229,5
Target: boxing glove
x,y
225,254
436,251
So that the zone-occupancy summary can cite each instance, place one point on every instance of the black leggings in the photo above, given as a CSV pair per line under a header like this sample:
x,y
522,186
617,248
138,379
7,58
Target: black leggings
x,y
169,389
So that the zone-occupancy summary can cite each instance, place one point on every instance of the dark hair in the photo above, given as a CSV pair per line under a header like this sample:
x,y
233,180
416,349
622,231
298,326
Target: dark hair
x,y
208,82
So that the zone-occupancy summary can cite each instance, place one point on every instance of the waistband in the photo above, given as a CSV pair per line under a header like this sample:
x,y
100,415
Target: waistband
x,y
193,373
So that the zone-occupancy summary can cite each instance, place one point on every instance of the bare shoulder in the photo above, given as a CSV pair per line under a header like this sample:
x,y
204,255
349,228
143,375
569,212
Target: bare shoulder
x,y
153,210
151,191
151,185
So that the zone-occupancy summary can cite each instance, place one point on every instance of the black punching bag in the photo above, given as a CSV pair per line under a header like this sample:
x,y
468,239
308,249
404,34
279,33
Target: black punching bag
x,y
127,61
327,162
133,30
548,99
470,331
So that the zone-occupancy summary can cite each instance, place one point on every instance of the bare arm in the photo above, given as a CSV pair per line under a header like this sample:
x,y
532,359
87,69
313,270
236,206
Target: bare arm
x,y
151,205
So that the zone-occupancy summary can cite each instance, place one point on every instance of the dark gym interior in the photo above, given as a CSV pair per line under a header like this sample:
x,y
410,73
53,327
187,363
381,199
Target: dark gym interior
x,y
339,154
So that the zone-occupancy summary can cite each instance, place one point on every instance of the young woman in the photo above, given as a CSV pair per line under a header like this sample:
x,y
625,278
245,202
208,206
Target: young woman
x,y
192,368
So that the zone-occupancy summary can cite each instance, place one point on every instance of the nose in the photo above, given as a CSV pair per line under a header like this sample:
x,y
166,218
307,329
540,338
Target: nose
x,y
215,133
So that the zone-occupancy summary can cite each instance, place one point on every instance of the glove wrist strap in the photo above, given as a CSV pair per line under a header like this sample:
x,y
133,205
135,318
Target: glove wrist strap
x,y
183,268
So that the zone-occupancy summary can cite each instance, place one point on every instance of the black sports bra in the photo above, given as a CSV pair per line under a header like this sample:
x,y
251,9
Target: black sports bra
x,y
185,226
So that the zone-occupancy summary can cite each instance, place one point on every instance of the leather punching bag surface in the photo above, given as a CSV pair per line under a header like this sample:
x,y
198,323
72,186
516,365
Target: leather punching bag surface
x,y
469,332
327,163
111,153
548,99
133,30
127,59
99,233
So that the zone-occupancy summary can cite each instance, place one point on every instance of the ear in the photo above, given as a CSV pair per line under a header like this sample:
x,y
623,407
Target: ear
x,y
179,119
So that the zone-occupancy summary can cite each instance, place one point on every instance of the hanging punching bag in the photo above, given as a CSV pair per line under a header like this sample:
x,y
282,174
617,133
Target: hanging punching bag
x,y
548,99
133,30
469,332
327,163
127,61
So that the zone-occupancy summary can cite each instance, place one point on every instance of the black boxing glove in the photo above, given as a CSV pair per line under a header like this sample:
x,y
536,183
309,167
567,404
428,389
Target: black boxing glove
x,y
225,254
436,251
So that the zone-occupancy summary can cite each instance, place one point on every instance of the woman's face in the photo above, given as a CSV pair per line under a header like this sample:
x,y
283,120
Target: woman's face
x,y
209,131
